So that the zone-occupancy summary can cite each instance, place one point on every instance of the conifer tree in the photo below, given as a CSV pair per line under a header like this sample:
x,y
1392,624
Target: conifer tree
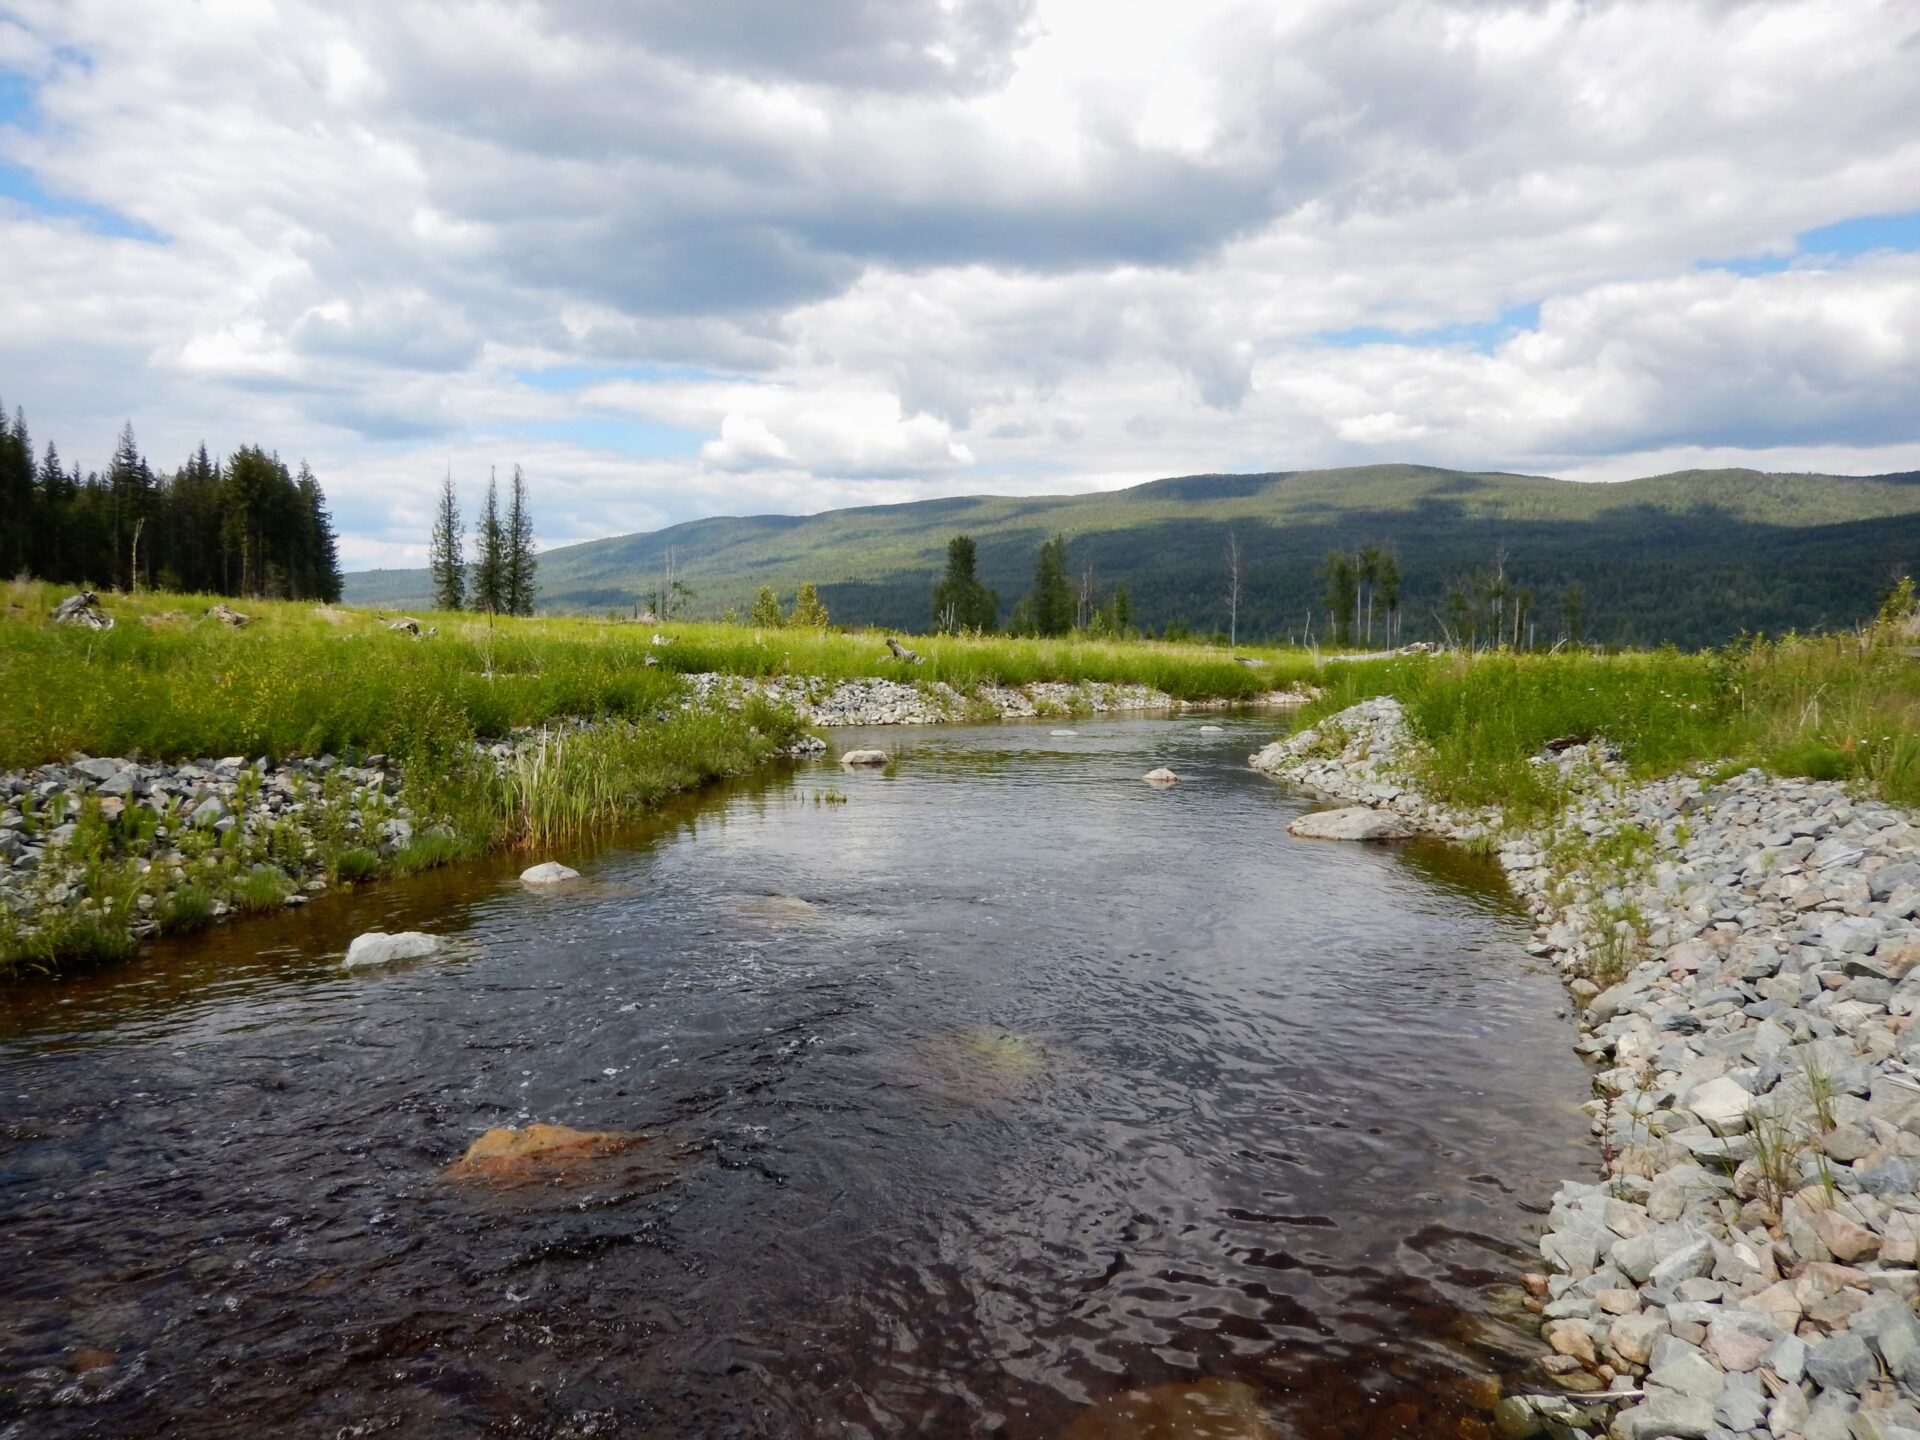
x,y
960,601
489,587
446,551
809,613
521,562
1050,606
766,610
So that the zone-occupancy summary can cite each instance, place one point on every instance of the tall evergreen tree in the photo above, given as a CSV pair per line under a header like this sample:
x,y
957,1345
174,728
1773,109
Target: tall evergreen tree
x,y
318,565
16,496
1050,606
130,491
489,581
521,562
1343,586
960,601
446,557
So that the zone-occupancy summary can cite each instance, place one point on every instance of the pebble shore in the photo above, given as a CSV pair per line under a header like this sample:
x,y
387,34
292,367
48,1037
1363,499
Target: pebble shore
x,y
197,821
1744,961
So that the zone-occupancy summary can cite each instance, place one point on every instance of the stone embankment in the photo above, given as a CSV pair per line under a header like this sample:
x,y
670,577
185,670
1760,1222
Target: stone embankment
x,y
284,829
197,822
899,702
1745,962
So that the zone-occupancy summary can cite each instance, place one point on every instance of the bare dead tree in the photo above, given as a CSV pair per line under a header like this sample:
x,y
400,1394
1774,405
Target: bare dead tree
x,y
1233,590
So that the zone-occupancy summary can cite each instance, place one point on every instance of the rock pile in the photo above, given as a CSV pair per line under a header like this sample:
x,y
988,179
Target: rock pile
x,y
192,816
898,702
1746,960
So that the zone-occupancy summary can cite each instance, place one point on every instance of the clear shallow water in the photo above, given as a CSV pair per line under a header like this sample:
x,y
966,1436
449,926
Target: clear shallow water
x,y
1056,1085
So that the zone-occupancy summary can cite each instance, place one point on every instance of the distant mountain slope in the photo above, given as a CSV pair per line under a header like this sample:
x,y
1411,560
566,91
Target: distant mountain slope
x,y
1694,557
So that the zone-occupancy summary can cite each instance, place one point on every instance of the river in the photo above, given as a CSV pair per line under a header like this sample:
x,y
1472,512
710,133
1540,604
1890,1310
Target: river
x,y
997,1085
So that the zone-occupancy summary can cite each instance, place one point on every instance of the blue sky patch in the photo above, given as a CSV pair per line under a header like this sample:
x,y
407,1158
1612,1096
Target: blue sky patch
x,y
626,435
18,110
579,377
1843,240
1484,337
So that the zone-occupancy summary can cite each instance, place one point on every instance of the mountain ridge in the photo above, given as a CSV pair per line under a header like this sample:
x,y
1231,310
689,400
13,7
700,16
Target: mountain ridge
x,y
1690,556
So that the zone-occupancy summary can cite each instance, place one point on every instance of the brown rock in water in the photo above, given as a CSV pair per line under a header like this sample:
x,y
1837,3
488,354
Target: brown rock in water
x,y
504,1153
1205,1410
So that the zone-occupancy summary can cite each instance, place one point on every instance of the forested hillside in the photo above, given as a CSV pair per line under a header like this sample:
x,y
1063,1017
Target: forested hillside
x,y
1693,558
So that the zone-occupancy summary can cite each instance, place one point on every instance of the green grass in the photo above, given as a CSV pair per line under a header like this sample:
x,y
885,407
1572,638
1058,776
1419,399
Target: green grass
x,y
186,910
1843,707
166,683
263,888
1185,671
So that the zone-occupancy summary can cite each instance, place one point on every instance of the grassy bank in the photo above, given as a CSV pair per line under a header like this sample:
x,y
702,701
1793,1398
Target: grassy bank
x,y
168,683
1843,707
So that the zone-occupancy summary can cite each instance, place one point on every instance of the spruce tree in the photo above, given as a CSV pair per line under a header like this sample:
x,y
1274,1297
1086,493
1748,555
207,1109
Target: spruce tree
x,y
766,610
1051,605
445,552
960,601
318,564
130,491
521,562
808,611
489,585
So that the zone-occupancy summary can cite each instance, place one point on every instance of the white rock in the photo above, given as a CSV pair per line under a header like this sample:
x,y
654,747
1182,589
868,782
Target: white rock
x,y
1722,1104
1356,822
1063,734
865,757
1212,730
378,948
1162,776
551,873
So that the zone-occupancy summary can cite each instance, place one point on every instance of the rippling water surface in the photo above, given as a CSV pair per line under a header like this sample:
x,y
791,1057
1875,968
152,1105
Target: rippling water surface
x,y
1008,1088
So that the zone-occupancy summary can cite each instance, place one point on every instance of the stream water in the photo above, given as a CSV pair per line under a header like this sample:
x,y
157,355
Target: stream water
x,y
1000,1084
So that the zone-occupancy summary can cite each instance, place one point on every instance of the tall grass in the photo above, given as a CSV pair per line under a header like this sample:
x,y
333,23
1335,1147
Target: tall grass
x,y
168,683
1185,671
1843,707
572,782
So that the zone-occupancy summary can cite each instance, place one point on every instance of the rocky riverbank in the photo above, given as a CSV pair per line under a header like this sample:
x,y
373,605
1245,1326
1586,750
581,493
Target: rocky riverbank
x,y
1745,963
901,702
103,844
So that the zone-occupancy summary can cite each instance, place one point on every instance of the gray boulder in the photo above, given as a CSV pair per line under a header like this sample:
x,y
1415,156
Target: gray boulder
x,y
1356,822
551,872
865,758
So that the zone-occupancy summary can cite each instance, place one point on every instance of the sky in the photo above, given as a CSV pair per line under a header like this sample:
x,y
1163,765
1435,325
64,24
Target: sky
x,y
682,259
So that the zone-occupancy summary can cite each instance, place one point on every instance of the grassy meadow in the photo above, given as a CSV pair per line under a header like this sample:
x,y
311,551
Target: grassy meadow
x,y
170,683
167,683
1837,707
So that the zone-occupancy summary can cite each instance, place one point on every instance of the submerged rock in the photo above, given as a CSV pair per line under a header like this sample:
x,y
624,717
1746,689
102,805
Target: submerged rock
x,y
507,1153
550,873
866,757
1063,734
778,907
1162,776
379,948
1356,822
1214,1409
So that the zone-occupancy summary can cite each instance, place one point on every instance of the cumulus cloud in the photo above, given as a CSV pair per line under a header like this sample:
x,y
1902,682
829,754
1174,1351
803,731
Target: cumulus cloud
x,y
766,255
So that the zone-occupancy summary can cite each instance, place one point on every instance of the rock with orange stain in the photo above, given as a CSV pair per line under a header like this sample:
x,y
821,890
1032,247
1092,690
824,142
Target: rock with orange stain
x,y
506,1153
1205,1410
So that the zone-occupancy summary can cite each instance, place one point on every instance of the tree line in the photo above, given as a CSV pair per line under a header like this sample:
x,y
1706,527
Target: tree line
x,y
245,525
501,580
